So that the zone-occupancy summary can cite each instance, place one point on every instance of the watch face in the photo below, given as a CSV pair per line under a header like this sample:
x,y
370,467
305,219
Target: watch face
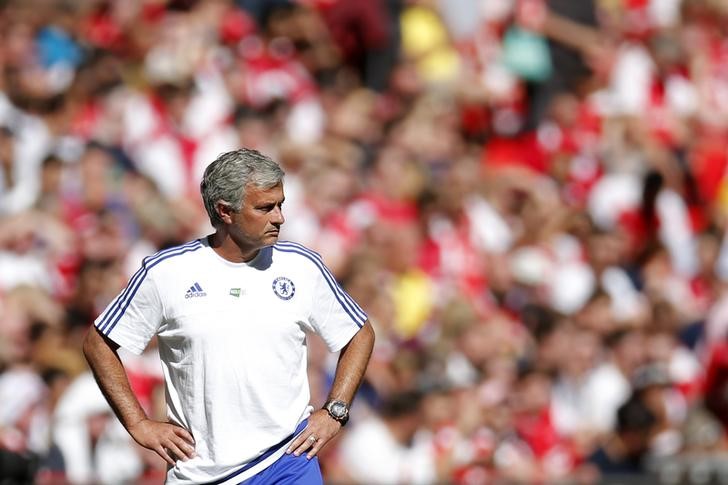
x,y
338,409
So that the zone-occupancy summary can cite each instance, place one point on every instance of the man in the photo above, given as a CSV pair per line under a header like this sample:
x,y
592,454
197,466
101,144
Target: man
x,y
231,313
625,452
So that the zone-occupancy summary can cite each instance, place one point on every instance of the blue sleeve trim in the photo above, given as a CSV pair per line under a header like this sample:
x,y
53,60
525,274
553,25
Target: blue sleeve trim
x,y
346,302
116,310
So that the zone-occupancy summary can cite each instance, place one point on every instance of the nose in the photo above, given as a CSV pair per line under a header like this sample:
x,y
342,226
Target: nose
x,y
278,218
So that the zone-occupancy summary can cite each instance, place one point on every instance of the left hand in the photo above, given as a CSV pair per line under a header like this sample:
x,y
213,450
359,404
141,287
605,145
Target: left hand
x,y
320,429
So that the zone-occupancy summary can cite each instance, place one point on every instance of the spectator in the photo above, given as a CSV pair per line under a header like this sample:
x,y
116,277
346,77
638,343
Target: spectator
x,y
624,455
385,450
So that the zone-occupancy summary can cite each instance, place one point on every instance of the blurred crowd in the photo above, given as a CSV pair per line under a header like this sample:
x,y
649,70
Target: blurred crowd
x,y
528,197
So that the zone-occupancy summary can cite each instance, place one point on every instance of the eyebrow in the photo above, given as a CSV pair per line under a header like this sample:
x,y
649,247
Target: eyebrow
x,y
270,203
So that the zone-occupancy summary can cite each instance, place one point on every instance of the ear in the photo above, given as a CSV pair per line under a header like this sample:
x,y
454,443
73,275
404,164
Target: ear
x,y
224,211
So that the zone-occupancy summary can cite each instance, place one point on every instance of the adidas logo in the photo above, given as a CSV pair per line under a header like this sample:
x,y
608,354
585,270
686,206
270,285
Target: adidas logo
x,y
195,291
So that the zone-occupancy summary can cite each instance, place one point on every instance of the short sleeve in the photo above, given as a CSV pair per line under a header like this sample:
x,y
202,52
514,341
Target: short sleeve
x,y
133,317
335,316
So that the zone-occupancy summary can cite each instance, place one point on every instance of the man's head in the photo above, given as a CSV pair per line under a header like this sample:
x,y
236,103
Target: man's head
x,y
635,426
243,190
402,412
226,179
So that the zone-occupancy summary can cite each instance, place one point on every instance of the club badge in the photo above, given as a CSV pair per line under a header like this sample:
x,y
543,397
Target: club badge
x,y
284,288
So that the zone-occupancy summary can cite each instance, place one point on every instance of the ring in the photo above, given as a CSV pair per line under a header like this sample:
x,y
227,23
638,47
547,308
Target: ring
x,y
312,438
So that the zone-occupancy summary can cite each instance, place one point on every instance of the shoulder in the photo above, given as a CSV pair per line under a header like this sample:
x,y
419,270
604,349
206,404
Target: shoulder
x,y
304,261
172,256
606,376
298,254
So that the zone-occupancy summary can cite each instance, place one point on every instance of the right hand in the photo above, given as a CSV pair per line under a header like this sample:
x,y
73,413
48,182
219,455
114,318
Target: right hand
x,y
169,441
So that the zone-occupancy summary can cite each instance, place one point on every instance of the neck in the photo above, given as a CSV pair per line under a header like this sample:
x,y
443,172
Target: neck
x,y
223,244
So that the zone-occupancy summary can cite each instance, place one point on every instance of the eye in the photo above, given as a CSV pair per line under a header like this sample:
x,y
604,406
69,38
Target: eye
x,y
269,207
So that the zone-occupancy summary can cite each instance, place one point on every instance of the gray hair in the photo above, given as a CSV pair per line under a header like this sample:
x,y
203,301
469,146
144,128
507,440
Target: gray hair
x,y
225,179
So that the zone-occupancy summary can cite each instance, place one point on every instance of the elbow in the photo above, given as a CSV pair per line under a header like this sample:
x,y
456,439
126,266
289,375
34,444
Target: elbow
x,y
96,346
371,336
88,344
92,345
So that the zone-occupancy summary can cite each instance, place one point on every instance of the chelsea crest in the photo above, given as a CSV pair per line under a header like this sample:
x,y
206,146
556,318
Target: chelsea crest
x,y
284,288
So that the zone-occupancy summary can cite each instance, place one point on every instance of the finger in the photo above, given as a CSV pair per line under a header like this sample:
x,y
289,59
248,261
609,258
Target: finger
x,y
183,433
300,439
294,445
307,443
163,453
316,447
185,449
176,451
183,445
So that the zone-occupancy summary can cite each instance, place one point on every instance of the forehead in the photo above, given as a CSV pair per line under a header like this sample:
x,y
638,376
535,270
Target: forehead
x,y
258,195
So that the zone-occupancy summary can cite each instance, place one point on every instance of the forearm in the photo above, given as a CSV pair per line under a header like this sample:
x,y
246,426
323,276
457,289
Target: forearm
x,y
570,33
352,365
111,378
322,426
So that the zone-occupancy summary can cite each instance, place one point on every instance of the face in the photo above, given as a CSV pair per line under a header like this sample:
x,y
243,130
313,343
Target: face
x,y
258,222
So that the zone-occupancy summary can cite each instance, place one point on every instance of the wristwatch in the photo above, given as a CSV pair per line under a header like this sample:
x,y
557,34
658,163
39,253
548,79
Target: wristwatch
x,y
338,410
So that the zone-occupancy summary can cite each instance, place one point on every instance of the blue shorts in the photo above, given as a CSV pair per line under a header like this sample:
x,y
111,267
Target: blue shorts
x,y
289,469
286,469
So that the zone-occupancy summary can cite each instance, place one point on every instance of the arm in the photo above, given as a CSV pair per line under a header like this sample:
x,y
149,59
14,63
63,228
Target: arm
x,y
350,370
594,47
167,440
352,365
571,33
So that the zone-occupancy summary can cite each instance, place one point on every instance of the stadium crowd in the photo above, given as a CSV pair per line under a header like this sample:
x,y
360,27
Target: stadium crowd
x,y
528,197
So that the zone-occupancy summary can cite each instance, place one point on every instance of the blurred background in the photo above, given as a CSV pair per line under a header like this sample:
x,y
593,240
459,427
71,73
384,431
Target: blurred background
x,y
528,197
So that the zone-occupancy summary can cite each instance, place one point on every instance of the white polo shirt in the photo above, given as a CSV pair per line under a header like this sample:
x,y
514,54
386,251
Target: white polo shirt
x,y
232,340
